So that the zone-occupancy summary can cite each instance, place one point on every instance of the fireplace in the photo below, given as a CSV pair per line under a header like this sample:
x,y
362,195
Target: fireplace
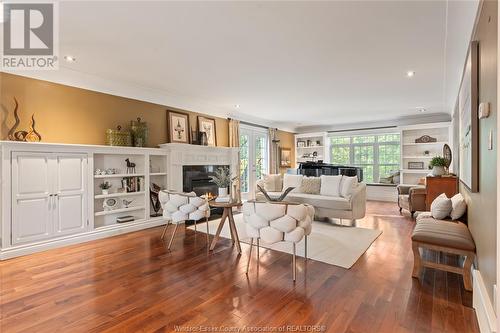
x,y
196,178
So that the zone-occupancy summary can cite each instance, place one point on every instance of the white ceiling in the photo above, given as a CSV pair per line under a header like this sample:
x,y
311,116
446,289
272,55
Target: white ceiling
x,y
288,64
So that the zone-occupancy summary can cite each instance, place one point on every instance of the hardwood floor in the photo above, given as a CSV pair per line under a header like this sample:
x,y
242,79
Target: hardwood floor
x,y
130,283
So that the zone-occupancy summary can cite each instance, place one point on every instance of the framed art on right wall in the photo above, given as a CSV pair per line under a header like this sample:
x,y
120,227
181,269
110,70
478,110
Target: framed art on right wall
x,y
468,122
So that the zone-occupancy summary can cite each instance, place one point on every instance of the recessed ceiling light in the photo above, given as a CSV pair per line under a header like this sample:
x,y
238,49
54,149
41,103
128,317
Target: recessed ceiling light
x,y
421,109
69,58
236,106
410,74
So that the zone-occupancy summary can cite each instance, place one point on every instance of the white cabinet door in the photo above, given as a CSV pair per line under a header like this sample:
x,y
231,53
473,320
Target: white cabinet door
x,y
31,197
70,197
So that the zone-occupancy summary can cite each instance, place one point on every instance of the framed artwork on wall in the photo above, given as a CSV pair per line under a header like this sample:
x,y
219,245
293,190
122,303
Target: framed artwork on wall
x,y
207,126
468,122
285,157
178,127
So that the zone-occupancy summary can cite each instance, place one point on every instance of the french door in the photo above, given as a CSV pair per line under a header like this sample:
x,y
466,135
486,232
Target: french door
x,y
254,158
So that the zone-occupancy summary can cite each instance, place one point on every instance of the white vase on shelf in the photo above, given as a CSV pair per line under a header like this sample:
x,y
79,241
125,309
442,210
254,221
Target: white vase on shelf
x,y
105,192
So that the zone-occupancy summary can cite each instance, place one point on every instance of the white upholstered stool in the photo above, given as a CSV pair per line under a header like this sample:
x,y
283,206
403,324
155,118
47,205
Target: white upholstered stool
x,y
180,207
278,222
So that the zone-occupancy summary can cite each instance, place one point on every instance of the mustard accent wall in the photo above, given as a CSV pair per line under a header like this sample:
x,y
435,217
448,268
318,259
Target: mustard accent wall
x,y
65,114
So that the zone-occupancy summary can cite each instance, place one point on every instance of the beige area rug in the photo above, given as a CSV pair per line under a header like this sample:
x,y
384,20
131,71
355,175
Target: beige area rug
x,y
334,245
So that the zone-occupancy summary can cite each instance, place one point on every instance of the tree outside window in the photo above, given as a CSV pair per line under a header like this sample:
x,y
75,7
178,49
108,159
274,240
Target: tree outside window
x,y
378,155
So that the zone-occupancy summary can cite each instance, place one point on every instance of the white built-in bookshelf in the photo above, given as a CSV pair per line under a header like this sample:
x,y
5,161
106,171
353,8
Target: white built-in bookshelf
x,y
311,147
132,186
414,154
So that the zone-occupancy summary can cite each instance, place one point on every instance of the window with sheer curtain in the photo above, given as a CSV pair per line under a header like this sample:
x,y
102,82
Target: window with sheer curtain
x,y
377,154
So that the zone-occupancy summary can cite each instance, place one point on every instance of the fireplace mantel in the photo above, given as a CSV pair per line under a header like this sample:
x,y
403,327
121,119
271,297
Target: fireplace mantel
x,y
180,154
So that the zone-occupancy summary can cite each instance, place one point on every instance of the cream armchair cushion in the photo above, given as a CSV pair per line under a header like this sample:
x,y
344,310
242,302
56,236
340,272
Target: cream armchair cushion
x,y
179,207
277,222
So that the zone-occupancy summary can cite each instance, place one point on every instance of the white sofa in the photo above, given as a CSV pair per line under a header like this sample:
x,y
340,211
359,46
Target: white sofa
x,y
338,197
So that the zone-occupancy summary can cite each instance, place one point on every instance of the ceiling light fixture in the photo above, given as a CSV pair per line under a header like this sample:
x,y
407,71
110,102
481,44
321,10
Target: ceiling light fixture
x,y
236,106
410,74
69,58
421,109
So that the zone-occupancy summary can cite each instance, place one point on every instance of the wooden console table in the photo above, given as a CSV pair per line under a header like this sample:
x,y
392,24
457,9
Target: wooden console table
x,y
437,185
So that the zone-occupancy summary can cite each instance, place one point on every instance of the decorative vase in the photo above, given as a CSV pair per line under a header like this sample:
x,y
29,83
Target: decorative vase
x,y
105,192
139,131
222,191
438,171
203,139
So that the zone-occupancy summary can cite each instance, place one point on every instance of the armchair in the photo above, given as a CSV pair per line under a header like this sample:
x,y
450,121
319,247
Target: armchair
x,y
278,222
411,198
180,207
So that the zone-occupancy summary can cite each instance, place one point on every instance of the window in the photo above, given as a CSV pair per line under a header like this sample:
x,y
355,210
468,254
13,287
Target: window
x,y
377,154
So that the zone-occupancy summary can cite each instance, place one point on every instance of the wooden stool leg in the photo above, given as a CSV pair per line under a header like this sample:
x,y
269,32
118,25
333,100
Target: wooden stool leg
x,y
294,264
467,275
417,261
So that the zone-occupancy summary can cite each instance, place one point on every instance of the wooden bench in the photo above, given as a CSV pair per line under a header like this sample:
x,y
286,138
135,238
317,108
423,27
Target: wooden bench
x,y
443,236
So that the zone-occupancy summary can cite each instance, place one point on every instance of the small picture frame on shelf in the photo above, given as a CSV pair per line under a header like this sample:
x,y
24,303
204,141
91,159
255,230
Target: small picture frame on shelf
x,y
301,144
416,165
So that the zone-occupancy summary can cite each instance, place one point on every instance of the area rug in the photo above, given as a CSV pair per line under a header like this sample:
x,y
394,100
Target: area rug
x,y
328,243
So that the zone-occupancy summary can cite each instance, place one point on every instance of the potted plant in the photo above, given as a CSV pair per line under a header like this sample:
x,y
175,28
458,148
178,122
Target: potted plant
x,y
105,187
438,165
222,179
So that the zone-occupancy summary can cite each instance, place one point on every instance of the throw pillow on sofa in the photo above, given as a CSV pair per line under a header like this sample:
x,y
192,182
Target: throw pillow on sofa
x,y
347,186
310,185
292,181
441,207
330,185
458,206
273,183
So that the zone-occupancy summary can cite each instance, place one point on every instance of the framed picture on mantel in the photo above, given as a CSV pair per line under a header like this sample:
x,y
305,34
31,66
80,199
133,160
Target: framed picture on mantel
x,y
178,127
207,126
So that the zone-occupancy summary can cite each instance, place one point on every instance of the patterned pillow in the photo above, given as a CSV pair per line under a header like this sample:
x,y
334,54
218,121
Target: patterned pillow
x,y
310,185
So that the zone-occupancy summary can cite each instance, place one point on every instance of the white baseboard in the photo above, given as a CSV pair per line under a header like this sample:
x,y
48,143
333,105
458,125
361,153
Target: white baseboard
x,y
22,250
382,193
481,302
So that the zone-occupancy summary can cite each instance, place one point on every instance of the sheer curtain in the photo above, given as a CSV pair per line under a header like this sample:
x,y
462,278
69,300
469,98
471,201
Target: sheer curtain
x,y
234,141
274,158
